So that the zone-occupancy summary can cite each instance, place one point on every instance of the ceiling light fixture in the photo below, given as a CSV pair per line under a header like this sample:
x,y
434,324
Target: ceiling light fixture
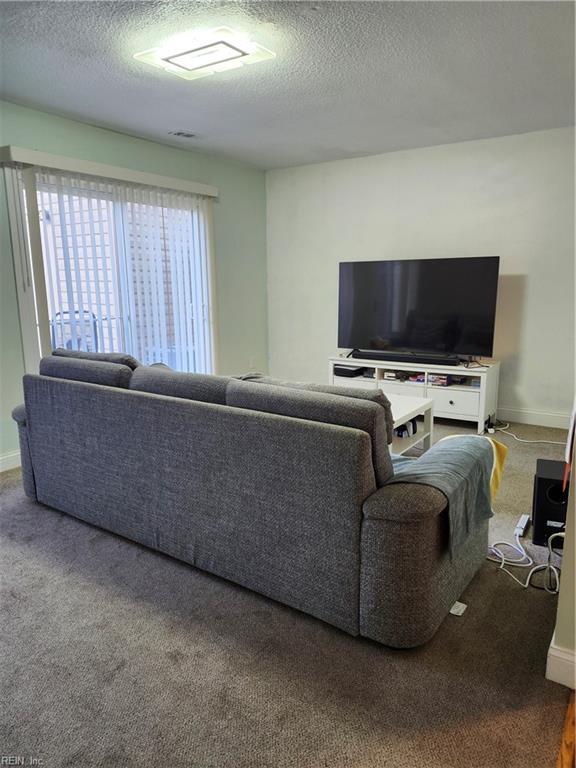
x,y
194,55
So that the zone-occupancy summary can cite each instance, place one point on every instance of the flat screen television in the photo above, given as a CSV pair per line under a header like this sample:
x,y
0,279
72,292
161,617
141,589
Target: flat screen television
x,y
445,307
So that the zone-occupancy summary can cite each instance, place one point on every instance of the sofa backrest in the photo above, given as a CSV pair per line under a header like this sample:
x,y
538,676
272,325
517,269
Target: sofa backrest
x,y
269,502
191,386
89,371
121,358
320,407
372,394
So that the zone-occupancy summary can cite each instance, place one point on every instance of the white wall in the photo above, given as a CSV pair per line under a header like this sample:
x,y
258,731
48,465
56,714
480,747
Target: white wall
x,y
561,666
512,197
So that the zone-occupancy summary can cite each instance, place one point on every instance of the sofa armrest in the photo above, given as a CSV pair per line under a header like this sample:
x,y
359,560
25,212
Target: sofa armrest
x,y
405,503
19,415
28,479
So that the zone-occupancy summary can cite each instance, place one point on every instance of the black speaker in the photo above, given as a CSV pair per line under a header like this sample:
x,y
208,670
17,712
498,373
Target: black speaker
x,y
549,503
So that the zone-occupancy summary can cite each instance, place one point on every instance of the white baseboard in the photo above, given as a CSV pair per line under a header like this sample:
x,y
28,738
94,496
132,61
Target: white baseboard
x,y
561,665
9,460
539,418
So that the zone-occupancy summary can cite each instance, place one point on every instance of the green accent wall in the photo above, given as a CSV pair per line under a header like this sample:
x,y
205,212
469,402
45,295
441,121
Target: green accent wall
x,y
239,231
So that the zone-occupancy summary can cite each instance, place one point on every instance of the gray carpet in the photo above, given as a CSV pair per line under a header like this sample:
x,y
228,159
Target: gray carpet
x,y
114,655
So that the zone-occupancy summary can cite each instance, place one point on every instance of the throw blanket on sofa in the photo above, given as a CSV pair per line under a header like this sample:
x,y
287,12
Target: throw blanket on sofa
x,y
467,471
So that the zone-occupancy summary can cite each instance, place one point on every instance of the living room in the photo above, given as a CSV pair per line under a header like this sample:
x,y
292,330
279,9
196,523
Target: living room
x,y
178,241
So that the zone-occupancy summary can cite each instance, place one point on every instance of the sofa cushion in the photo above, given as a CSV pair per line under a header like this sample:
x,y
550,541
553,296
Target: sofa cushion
x,y
90,371
121,358
318,406
373,395
160,380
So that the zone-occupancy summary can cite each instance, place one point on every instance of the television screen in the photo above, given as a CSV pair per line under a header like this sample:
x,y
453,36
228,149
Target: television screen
x,y
446,306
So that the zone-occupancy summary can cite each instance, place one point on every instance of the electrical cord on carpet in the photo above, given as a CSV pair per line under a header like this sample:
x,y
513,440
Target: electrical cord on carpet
x,y
506,430
523,560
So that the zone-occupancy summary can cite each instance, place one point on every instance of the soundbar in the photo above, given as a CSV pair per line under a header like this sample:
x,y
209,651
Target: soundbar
x,y
405,357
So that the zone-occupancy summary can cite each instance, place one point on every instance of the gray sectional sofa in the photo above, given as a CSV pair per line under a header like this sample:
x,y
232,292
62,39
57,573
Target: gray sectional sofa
x,y
274,486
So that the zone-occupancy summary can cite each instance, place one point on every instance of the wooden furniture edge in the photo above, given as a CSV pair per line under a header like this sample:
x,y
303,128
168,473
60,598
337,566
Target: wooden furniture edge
x,y
567,754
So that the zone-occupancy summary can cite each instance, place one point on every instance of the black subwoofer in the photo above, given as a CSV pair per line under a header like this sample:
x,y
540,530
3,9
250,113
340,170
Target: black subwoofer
x,y
549,502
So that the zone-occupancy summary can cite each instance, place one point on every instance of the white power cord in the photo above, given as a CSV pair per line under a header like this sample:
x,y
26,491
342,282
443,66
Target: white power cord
x,y
552,581
522,558
506,430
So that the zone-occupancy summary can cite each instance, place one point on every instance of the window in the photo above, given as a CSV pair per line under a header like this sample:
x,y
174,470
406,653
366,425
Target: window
x,y
125,267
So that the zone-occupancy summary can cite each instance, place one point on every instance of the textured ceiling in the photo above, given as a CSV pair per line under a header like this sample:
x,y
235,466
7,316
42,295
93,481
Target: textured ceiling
x,y
350,78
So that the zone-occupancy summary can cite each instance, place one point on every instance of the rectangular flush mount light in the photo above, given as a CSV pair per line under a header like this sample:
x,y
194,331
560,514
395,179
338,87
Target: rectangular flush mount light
x,y
196,55
206,55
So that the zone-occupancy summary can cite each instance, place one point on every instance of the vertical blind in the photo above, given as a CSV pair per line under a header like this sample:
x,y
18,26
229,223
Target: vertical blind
x,y
127,268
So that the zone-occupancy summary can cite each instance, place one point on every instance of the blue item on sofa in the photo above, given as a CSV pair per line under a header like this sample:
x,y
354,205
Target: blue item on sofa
x,y
461,470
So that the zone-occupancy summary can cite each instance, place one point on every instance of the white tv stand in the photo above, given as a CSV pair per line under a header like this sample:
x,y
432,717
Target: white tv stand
x,y
474,399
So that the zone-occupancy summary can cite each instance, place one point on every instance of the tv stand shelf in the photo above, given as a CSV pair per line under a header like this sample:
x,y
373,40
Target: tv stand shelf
x,y
473,398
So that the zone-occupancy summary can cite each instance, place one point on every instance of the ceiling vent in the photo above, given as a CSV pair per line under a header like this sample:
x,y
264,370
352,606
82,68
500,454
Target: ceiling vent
x,y
183,134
